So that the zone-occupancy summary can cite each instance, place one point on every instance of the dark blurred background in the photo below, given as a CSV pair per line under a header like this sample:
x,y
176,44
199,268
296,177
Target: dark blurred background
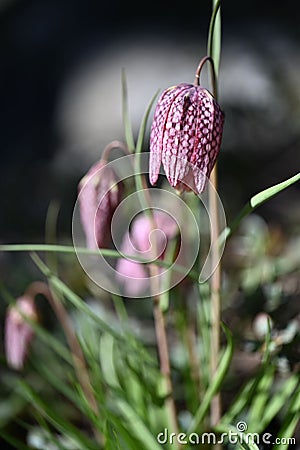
x,y
60,93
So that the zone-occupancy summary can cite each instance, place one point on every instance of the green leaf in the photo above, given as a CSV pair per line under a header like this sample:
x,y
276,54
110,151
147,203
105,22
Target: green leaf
x,y
204,330
265,195
240,402
137,427
73,298
279,399
292,418
215,383
61,384
106,352
169,257
256,414
256,201
139,147
86,251
58,421
214,36
126,120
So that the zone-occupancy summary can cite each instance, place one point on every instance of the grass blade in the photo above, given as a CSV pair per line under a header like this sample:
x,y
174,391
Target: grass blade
x,y
137,427
214,36
126,120
215,384
291,421
139,148
256,201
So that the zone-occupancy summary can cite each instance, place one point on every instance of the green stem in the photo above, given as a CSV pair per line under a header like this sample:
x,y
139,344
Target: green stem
x,y
214,35
214,47
125,110
213,73
159,319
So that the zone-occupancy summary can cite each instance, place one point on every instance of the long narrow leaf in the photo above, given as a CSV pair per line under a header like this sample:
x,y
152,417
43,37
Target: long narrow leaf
x,y
215,384
58,421
139,147
126,120
137,427
214,36
256,201
291,420
258,405
85,251
279,400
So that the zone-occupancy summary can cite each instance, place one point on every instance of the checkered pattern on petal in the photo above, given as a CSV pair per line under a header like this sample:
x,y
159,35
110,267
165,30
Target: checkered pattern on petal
x,y
185,136
158,128
209,133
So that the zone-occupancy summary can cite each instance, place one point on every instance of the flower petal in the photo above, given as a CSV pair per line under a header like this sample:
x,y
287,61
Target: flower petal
x,y
18,332
186,137
209,135
130,274
158,128
165,227
99,195
172,135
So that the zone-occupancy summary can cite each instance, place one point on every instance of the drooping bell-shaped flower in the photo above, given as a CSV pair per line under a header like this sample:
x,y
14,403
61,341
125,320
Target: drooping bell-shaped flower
x,y
99,195
185,136
132,275
18,332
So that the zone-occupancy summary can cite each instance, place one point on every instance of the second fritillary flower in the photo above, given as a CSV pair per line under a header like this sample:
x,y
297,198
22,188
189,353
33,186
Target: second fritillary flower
x,y
18,332
99,196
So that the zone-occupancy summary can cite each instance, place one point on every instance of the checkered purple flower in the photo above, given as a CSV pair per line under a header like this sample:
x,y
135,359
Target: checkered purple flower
x,y
185,136
99,194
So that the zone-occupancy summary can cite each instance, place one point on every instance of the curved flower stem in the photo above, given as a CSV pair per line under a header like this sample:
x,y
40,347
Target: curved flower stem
x,y
111,146
213,73
39,287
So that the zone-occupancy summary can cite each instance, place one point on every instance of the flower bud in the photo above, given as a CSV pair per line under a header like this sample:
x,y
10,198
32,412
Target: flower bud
x,y
262,324
18,332
185,136
99,195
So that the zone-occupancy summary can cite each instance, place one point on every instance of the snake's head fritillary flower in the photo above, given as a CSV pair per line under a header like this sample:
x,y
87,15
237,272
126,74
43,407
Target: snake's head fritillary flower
x,y
99,195
18,332
133,275
185,136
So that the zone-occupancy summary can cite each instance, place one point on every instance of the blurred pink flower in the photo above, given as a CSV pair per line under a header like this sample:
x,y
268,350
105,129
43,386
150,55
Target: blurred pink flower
x,y
139,242
99,195
185,136
18,332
